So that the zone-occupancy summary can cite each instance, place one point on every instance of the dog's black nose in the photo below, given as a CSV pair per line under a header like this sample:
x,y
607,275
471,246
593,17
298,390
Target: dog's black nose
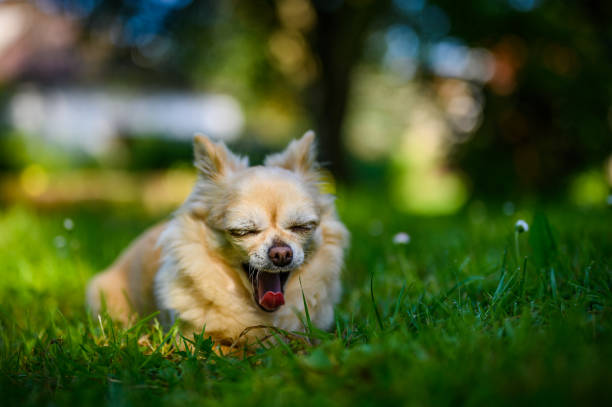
x,y
280,254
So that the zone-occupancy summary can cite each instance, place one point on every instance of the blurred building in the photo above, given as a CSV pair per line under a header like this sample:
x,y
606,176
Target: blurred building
x,y
57,92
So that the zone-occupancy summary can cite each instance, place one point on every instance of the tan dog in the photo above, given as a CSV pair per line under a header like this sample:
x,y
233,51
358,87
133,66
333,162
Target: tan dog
x,y
233,255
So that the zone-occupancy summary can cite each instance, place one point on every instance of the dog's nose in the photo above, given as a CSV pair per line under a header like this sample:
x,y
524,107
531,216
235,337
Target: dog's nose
x,y
280,254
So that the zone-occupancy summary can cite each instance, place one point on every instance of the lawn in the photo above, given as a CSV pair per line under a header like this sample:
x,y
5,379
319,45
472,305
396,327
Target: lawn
x,y
455,316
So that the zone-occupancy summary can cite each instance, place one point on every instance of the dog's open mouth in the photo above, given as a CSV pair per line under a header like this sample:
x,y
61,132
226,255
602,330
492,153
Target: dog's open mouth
x,y
268,288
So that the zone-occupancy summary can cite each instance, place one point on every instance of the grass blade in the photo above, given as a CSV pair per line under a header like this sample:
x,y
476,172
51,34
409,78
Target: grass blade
x,y
378,318
553,283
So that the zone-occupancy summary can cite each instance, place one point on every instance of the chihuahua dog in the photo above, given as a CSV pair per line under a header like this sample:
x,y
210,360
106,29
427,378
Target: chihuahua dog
x,y
245,250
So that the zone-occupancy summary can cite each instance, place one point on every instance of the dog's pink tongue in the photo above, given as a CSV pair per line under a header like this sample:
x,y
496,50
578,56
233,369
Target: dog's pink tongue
x,y
269,291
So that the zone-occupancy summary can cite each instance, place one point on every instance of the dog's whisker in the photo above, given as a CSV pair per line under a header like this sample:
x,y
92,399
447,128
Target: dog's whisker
x,y
250,270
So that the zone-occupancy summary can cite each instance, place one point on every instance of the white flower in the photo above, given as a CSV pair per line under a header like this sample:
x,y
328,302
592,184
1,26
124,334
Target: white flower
x,y
521,226
68,224
401,238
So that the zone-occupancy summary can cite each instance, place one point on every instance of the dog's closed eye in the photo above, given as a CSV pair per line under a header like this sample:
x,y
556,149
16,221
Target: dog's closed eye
x,y
303,227
242,232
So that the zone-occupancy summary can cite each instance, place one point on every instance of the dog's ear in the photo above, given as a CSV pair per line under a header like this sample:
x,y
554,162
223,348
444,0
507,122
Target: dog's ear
x,y
215,160
299,156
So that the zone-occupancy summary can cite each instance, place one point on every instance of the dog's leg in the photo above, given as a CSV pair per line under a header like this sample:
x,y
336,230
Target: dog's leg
x,y
126,287
110,288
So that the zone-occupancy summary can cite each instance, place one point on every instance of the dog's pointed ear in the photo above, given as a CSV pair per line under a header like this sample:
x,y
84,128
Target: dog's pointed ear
x,y
299,156
215,160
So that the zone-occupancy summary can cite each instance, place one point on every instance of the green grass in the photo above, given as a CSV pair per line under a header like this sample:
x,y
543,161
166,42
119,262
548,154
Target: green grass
x,y
453,317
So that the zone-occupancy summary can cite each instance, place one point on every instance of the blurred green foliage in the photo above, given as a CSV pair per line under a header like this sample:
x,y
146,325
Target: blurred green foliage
x,y
542,113
553,120
546,110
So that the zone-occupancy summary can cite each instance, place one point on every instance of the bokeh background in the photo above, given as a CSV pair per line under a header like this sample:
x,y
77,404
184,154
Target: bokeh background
x,y
432,106
441,124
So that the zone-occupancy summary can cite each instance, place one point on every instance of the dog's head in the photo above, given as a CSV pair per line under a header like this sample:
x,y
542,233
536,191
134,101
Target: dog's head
x,y
266,217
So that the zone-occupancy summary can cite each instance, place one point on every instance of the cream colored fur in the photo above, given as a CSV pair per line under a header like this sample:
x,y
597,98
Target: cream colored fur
x,y
191,266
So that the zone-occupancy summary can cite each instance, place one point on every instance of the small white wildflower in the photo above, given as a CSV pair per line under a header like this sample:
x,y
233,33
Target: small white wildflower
x,y
59,241
68,224
401,238
521,226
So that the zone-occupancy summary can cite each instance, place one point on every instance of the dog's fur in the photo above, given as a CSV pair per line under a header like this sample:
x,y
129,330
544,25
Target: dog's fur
x,y
196,265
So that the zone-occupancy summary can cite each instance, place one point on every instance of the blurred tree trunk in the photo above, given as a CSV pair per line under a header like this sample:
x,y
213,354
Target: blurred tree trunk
x,y
337,42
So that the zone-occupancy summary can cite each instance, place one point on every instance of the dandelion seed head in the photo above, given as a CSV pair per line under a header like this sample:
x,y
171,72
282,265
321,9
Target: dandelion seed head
x,y
68,224
521,226
401,238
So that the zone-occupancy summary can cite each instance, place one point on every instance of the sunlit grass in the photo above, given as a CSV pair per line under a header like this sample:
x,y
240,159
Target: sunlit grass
x,y
455,316
156,192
